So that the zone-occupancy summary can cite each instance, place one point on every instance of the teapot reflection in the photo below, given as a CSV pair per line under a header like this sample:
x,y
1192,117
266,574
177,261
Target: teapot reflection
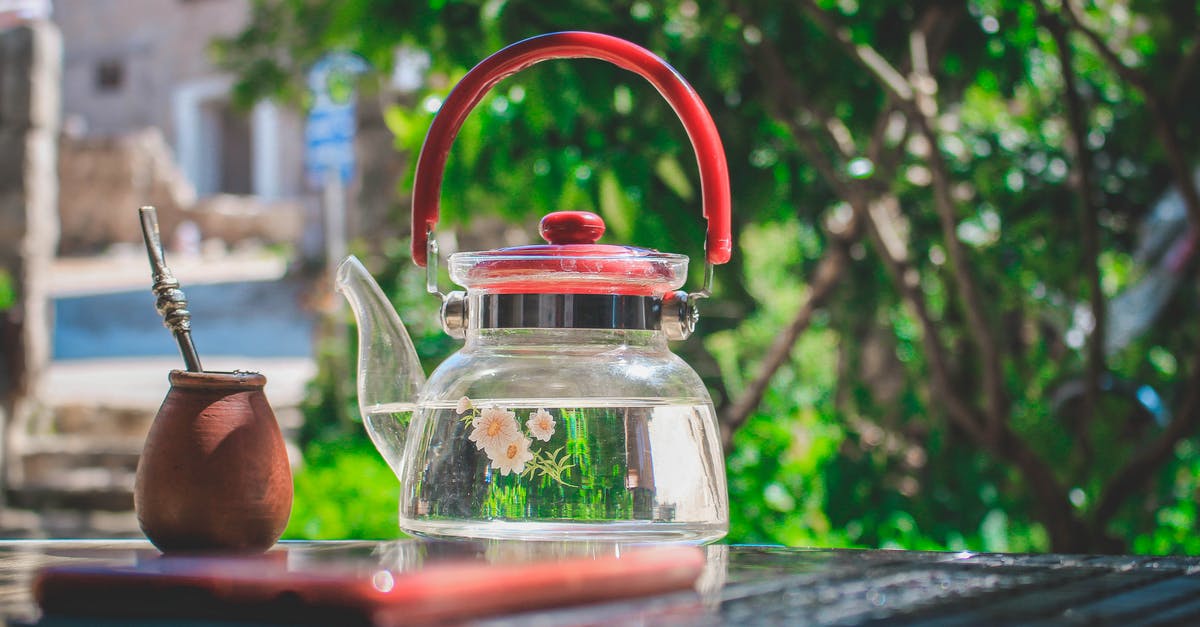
x,y
411,555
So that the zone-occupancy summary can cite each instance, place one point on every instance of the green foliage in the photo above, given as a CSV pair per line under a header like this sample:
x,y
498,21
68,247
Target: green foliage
x,y
344,490
853,443
8,295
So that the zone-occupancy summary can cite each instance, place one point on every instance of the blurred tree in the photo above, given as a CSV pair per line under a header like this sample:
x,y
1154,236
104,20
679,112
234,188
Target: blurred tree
x,y
937,203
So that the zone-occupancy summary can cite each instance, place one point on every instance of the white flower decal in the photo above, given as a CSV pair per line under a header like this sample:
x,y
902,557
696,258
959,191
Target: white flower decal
x,y
507,444
494,428
540,425
512,456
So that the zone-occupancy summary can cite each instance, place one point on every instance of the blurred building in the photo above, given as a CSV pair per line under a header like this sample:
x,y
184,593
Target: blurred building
x,y
145,119
133,64
16,11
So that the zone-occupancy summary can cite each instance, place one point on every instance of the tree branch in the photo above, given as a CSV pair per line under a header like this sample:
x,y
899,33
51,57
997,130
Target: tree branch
x,y
918,103
1140,468
937,26
904,276
916,98
1067,532
829,272
1083,182
1048,493
1186,71
1161,114
785,99
1128,74
891,79
925,112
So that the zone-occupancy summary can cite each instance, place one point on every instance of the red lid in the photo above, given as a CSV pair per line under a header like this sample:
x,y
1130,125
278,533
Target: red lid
x,y
570,263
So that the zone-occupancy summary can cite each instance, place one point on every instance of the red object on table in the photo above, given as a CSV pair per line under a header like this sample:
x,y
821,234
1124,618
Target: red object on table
x,y
264,589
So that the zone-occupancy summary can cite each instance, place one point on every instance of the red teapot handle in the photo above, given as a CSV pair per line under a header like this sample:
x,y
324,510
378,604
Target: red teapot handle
x,y
710,154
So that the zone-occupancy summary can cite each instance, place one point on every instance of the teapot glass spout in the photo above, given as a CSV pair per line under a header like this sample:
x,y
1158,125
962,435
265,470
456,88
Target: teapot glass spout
x,y
390,377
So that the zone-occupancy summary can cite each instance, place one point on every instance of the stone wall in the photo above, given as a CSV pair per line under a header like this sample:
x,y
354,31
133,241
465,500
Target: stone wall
x,y
30,69
103,180
157,45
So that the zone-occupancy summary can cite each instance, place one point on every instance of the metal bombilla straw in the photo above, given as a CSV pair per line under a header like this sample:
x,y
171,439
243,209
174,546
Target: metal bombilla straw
x,y
171,302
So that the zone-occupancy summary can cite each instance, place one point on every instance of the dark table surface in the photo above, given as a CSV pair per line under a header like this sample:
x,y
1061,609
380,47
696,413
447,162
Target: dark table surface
x,y
756,584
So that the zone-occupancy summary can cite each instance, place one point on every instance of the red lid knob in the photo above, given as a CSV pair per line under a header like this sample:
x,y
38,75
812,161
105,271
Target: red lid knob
x,y
571,227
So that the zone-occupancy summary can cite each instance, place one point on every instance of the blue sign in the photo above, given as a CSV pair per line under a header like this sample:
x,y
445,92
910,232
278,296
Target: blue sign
x,y
329,129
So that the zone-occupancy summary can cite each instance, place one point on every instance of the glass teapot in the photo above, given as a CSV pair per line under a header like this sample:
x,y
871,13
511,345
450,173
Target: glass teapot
x,y
565,416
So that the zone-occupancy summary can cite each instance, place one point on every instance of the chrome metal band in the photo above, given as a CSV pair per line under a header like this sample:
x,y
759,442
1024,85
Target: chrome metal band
x,y
564,311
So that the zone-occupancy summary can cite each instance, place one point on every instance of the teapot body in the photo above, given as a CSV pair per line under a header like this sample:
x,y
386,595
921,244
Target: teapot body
x,y
565,416
551,434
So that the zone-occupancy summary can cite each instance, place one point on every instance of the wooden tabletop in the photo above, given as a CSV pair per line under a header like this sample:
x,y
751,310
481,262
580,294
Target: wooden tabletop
x,y
752,584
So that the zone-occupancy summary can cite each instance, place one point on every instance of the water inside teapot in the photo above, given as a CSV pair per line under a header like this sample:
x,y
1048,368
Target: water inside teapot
x,y
387,425
552,468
